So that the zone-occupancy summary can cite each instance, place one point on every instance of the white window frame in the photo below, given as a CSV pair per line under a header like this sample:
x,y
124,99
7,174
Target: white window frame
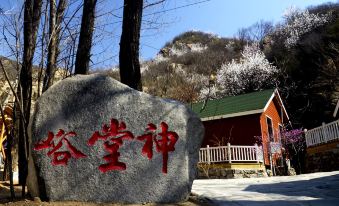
x,y
268,117
280,125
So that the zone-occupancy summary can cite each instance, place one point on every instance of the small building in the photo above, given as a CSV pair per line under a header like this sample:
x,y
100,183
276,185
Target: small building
x,y
245,119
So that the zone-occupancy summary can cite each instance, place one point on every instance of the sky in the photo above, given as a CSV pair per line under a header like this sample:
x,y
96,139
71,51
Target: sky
x,y
221,17
162,23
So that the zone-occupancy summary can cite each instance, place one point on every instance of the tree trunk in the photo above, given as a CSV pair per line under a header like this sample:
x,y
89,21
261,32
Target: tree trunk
x,y
85,38
43,46
9,165
129,44
51,46
32,13
55,18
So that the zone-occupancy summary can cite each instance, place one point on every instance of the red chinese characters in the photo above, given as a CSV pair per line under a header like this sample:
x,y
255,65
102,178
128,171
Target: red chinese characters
x,y
147,149
113,137
59,157
163,145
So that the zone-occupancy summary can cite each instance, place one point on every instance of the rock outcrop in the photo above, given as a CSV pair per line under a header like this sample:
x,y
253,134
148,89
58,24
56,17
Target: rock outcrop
x,y
95,139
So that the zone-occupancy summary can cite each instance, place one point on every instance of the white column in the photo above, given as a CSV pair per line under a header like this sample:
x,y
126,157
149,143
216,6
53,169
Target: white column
x,y
256,152
208,155
229,152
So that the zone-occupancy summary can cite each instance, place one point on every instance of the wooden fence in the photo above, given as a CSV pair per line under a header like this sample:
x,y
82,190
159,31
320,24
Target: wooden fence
x,y
231,153
322,134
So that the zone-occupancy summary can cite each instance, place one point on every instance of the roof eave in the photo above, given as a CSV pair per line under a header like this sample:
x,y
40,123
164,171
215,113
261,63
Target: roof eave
x,y
257,111
282,104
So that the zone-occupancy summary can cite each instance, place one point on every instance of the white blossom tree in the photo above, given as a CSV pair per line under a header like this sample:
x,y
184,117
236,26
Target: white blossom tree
x,y
251,72
298,23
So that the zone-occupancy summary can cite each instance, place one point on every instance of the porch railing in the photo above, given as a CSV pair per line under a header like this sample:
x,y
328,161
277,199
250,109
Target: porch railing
x,y
231,153
322,134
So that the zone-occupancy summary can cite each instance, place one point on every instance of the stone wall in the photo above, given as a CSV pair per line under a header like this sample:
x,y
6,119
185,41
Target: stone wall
x,y
227,172
323,158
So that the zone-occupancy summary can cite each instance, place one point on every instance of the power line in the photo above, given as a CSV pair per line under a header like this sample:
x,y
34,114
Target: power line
x,y
149,46
179,7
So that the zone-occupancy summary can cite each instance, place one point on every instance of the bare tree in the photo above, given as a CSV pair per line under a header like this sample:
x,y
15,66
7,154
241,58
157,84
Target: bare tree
x,y
12,25
32,13
68,39
129,44
85,38
55,18
223,140
255,33
43,48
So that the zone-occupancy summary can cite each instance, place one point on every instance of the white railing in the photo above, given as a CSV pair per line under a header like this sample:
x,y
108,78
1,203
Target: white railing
x,y
231,153
322,134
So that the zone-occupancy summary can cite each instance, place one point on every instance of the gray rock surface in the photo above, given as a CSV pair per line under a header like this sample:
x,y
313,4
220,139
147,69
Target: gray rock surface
x,y
83,104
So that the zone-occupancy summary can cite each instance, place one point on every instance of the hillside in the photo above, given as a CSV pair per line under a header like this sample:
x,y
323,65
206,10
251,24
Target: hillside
x,y
183,66
4,86
299,56
6,95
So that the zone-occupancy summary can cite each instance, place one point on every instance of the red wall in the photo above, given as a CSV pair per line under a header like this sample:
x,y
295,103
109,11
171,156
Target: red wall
x,y
272,112
238,130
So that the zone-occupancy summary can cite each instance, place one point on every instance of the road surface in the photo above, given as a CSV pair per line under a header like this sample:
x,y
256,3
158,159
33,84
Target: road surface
x,y
320,189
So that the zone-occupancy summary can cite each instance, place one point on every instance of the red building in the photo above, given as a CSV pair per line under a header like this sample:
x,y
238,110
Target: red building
x,y
243,120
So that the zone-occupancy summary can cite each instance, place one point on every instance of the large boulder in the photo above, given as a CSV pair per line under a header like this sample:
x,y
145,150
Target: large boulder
x,y
95,139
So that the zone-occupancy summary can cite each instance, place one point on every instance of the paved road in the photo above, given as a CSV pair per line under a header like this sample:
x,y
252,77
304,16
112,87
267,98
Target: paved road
x,y
320,189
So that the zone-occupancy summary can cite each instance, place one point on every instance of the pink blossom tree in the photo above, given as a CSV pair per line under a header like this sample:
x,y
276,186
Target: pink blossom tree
x,y
295,144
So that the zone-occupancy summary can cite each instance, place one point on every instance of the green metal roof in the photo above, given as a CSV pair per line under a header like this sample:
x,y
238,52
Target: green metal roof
x,y
233,104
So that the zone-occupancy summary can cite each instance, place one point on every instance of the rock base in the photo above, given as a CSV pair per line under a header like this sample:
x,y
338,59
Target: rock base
x,y
323,158
227,173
